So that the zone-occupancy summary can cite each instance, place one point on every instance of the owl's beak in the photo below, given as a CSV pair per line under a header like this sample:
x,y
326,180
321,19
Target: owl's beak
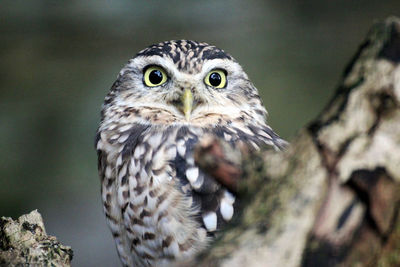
x,y
187,102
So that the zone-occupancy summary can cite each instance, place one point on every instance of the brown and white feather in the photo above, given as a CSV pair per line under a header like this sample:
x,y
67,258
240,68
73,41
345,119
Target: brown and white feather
x,y
161,208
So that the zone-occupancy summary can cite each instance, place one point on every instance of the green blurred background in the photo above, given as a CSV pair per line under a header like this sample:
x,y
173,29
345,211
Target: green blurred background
x,y
59,58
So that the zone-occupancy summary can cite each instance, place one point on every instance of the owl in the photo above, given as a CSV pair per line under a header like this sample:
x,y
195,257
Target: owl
x,y
161,208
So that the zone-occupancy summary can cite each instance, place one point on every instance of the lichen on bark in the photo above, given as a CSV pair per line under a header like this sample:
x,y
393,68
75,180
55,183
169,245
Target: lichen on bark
x,y
332,197
24,242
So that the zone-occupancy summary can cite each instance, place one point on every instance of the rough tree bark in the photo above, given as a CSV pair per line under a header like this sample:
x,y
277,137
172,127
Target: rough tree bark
x,y
332,198
24,242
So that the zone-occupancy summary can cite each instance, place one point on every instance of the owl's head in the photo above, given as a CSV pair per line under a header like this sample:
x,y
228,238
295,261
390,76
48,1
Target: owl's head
x,y
183,82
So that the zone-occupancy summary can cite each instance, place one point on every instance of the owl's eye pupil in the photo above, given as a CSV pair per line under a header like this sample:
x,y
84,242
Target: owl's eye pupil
x,y
155,76
215,79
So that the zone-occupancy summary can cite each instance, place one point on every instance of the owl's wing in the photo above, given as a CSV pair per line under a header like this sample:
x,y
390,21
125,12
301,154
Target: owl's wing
x,y
111,207
217,204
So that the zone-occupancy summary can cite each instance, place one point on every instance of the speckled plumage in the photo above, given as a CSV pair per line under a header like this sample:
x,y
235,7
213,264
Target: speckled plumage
x,y
160,206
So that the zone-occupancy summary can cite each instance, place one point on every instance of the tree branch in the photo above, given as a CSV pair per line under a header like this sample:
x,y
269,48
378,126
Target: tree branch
x,y
332,198
24,242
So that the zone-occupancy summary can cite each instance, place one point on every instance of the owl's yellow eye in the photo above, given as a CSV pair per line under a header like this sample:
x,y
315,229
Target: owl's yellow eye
x,y
216,79
155,76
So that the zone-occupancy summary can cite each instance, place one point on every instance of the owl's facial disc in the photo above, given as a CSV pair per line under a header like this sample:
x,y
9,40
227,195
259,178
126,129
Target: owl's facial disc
x,y
199,90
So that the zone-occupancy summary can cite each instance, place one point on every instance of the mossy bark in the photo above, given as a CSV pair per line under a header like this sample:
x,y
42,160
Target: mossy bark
x,y
332,198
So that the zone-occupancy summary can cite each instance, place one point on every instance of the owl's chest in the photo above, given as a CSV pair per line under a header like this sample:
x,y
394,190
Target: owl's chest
x,y
153,192
162,157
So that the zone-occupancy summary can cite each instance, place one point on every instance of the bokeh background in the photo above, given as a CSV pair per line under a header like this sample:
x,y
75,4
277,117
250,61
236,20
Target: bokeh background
x,y
59,58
